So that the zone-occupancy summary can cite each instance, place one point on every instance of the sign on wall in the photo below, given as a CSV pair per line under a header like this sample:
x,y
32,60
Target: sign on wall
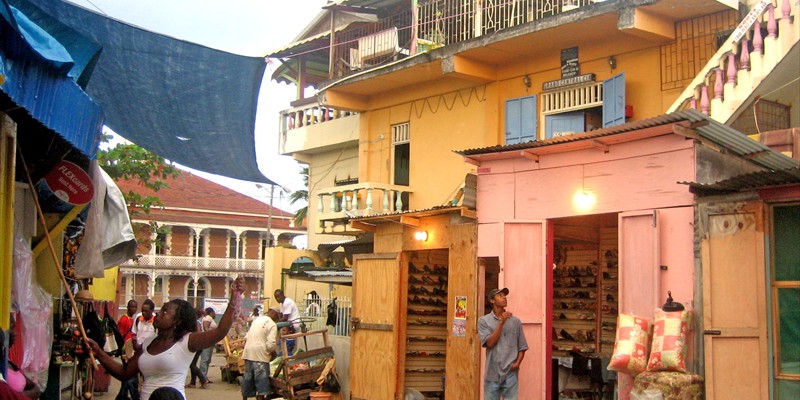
x,y
569,63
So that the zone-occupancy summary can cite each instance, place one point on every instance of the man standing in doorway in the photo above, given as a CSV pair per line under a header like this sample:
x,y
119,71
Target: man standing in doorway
x,y
130,388
501,333
259,346
288,309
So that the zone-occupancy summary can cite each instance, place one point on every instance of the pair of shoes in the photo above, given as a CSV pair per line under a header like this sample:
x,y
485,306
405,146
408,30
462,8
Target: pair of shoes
x,y
191,385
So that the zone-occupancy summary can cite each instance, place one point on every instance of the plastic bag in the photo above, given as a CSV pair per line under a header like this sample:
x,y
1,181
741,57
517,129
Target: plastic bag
x,y
114,338
35,308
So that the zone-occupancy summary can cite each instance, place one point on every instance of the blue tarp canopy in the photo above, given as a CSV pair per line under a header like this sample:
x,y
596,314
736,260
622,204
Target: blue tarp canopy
x,y
34,70
188,103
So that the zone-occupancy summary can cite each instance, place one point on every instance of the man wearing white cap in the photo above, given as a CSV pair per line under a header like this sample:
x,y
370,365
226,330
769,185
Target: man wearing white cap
x,y
501,334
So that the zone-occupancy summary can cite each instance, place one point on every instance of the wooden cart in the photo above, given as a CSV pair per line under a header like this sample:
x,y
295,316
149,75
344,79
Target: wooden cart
x,y
296,375
234,365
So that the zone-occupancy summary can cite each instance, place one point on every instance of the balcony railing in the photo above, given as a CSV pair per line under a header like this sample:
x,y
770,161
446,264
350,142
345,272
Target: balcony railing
x,y
439,23
742,63
185,262
358,200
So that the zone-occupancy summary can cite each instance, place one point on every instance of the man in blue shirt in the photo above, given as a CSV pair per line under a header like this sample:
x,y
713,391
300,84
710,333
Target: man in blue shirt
x,y
501,333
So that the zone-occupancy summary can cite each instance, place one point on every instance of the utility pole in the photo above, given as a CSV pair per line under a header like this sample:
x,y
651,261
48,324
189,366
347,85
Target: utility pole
x,y
269,216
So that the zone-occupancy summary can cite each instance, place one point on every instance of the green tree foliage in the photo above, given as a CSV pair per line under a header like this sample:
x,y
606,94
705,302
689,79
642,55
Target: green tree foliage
x,y
300,195
127,161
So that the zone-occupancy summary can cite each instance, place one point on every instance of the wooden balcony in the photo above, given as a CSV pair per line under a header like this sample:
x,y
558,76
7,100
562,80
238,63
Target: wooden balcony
x,y
749,66
157,261
338,204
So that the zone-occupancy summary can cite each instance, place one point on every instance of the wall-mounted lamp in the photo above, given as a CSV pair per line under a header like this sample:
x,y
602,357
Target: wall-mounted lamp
x,y
612,62
421,236
526,80
583,201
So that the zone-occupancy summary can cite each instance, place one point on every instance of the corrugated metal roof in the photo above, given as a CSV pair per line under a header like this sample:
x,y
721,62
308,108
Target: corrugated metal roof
x,y
47,94
749,181
297,47
708,129
398,213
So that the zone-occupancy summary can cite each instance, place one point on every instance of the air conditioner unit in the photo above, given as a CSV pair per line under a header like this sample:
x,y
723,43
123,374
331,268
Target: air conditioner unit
x,y
355,59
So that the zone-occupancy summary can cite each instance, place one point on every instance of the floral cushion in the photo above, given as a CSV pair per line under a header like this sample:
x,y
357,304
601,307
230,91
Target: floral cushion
x,y
674,385
630,349
670,331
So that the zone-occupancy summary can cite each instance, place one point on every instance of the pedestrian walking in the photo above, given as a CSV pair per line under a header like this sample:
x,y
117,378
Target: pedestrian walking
x,y
501,334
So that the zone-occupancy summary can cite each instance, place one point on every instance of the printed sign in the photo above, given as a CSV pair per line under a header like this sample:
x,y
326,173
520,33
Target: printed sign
x,y
459,327
569,63
70,183
219,305
461,307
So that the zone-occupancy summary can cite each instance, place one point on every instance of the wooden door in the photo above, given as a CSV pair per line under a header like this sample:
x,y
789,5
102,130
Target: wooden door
x,y
734,304
523,272
374,324
639,263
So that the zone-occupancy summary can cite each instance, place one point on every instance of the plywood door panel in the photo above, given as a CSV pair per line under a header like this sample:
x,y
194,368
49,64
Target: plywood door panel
x,y
734,305
524,274
639,263
373,353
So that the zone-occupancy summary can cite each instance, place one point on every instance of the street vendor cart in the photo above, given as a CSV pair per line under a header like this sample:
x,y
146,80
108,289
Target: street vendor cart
x,y
296,375
234,365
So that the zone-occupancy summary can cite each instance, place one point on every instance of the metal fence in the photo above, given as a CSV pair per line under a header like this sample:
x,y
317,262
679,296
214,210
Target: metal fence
x,y
318,308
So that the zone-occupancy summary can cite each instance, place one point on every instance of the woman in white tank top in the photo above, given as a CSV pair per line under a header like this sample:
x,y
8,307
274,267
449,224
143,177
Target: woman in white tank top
x,y
164,359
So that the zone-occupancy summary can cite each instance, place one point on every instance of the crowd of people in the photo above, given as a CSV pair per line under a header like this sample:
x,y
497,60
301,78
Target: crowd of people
x,y
162,348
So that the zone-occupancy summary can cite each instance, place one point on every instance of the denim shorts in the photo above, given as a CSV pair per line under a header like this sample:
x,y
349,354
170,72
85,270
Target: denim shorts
x,y
255,381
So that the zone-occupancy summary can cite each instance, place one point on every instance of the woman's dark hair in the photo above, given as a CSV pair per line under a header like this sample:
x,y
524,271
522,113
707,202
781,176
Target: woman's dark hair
x,y
210,310
166,393
185,319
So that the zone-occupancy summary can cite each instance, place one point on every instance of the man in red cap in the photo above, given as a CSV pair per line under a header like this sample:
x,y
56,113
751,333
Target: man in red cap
x,y
501,334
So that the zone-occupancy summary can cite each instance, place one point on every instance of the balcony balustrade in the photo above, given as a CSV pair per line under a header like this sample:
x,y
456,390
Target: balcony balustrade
x,y
337,204
742,63
186,262
300,127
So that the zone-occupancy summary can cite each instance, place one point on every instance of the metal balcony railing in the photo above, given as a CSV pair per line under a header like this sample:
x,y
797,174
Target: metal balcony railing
x,y
186,262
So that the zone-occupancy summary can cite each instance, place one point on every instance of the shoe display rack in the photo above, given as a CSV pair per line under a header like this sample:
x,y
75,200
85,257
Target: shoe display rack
x,y
585,291
426,326
575,300
609,290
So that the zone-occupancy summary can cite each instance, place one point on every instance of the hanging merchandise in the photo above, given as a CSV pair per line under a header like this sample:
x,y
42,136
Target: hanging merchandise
x,y
35,310
93,326
111,333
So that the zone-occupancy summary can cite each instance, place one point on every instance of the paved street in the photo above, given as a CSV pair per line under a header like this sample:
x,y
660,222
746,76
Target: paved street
x,y
218,390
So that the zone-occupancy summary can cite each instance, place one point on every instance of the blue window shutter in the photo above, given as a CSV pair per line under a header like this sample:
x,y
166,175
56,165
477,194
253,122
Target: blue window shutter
x,y
614,101
528,115
513,114
565,122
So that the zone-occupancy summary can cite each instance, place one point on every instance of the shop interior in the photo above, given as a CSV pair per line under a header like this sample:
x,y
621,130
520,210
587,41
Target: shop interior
x,y
426,322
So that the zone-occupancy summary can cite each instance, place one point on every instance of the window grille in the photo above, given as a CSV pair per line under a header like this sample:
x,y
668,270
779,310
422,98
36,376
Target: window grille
x,y
400,133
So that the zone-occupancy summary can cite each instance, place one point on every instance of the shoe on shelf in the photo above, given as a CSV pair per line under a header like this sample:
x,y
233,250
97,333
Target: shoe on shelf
x,y
566,335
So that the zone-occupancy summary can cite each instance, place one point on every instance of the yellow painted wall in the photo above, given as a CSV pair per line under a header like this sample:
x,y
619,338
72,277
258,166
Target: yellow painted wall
x,y
8,135
445,116
105,288
278,258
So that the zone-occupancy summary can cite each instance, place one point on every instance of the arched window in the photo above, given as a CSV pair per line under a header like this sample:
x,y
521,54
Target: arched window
x,y
196,300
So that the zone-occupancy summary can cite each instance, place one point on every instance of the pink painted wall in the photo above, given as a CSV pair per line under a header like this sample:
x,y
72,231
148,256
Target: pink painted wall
x,y
634,176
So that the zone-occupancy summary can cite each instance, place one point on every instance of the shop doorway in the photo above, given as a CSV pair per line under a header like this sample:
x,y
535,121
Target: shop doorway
x,y
585,297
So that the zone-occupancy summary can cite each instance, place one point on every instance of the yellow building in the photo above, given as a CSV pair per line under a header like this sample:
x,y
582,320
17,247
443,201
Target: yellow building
x,y
398,91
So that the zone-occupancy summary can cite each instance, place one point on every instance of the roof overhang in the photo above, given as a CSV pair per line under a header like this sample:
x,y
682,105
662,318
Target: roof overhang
x,y
409,218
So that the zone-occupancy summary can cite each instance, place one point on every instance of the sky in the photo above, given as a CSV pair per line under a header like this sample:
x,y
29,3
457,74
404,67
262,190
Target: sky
x,y
245,27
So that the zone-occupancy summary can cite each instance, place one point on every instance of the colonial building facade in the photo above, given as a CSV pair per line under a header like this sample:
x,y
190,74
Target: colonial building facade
x,y
213,235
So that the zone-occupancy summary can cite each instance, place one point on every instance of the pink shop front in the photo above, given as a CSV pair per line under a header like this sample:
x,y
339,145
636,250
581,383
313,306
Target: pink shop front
x,y
585,227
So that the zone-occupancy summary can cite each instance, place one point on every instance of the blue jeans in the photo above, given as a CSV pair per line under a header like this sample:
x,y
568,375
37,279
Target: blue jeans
x,y
506,387
255,381
205,360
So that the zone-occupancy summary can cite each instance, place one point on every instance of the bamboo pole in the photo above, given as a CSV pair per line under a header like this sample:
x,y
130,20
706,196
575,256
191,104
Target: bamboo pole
x,y
40,213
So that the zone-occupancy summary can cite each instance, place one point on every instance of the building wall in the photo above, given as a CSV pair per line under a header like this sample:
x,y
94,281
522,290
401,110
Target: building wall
x,y
252,245
324,169
181,238
218,243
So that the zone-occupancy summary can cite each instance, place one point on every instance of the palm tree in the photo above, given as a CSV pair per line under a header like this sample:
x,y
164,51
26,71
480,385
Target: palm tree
x,y
299,195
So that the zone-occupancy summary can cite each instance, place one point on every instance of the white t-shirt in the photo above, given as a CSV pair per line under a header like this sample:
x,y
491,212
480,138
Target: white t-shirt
x,y
143,329
212,323
165,369
288,307
261,340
